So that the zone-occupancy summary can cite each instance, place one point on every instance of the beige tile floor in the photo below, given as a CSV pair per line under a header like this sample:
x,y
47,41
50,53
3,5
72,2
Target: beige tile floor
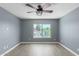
x,y
39,50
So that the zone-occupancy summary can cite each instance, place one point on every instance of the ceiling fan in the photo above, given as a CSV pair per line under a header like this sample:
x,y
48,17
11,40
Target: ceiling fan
x,y
39,10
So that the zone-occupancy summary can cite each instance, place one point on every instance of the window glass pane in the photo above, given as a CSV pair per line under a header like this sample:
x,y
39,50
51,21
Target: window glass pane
x,y
41,31
37,32
46,31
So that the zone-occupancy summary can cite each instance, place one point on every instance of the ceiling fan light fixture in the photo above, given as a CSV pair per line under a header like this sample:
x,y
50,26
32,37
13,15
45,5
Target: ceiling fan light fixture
x,y
39,13
40,9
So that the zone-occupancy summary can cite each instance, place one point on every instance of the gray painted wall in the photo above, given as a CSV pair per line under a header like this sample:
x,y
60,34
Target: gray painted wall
x,y
9,30
27,30
69,30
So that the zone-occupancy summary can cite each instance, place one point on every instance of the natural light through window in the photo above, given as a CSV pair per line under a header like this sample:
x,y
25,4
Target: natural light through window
x,y
41,31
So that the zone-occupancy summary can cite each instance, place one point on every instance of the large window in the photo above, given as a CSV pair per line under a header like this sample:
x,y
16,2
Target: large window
x,y
41,31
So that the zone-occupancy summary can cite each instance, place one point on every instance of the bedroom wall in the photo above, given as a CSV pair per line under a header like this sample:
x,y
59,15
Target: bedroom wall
x,y
9,30
69,30
27,30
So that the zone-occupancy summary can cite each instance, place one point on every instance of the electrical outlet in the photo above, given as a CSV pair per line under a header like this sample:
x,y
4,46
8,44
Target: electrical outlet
x,y
5,47
78,49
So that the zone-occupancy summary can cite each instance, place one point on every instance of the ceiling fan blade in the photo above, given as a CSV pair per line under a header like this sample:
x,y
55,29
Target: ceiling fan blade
x,y
46,5
31,11
29,5
48,11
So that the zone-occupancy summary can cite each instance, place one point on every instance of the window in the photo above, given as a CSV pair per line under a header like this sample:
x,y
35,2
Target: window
x,y
41,31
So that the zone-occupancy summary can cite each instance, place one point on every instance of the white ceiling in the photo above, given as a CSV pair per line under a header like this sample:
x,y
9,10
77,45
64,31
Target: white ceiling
x,y
19,10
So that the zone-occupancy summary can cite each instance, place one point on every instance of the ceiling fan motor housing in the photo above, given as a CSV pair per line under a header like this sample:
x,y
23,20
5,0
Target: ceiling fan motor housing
x,y
39,8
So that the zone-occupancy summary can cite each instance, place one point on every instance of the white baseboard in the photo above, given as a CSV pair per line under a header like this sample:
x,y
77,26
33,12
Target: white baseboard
x,y
10,49
38,42
69,49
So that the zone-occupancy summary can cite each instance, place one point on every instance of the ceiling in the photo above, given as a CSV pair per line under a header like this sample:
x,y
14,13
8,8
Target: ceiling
x,y
19,10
